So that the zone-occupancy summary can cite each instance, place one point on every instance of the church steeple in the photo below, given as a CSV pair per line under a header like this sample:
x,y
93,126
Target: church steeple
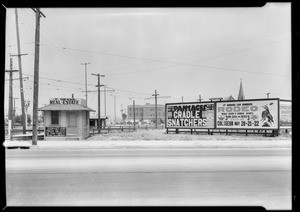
x,y
241,95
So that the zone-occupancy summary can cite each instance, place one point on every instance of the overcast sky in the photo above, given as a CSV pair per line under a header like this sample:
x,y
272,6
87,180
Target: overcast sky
x,y
180,52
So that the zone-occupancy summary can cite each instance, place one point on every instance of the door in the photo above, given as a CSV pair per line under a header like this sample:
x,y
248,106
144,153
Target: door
x,y
72,124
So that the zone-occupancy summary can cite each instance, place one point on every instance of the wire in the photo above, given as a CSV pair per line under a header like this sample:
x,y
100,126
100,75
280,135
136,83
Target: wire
x,y
163,61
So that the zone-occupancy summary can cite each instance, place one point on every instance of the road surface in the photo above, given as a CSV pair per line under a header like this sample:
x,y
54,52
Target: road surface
x,y
149,177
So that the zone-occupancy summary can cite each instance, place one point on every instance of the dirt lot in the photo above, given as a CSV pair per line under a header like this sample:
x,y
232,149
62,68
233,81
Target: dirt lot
x,y
160,134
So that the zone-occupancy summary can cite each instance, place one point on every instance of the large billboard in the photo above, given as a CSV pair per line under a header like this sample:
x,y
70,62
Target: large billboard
x,y
199,115
285,113
248,114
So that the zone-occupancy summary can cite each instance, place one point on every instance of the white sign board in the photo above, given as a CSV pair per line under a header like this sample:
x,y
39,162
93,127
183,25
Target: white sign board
x,y
252,114
285,113
190,115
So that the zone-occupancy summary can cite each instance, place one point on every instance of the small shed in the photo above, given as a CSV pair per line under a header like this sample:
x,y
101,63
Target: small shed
x,y
66,119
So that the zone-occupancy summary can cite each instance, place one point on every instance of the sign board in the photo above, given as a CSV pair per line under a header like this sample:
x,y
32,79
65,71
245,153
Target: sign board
x,y
286,113
248,114
55,131
64,101
198,115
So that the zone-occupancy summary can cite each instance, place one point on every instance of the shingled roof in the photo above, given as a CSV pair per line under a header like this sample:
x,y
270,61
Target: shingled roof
x,y
70,107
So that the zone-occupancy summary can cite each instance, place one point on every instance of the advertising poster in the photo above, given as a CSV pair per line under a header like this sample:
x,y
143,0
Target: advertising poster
x,y
285,114
190,115
55,131
252,114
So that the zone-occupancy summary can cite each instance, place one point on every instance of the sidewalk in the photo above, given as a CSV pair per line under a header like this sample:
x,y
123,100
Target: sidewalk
x,y
92,144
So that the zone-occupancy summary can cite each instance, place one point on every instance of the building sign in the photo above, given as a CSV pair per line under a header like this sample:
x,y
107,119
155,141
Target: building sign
x,y
55,131
285,113
252,114
64,101
190,115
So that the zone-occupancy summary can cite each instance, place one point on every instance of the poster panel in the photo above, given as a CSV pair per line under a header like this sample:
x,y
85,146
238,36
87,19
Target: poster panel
x,y
285,113
190,115
252,114
55,131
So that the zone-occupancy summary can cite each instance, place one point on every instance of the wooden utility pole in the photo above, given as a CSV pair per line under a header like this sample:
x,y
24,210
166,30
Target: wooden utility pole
x,y
14,113
155,96
10,101
35,123
20,73
99,109
115,115
182,99
86,96
199,98
268,95
133,113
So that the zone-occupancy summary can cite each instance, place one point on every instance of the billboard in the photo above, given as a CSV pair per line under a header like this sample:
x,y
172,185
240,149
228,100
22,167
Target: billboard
x,y
285,113
248,114
190,115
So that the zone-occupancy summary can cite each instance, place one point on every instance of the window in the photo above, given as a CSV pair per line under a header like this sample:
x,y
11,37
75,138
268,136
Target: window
x,y
54,117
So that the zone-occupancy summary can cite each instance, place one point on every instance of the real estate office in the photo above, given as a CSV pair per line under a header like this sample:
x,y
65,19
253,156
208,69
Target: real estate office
x,y
66,118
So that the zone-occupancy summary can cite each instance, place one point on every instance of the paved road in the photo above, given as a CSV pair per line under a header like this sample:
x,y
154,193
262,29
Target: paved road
x,y
93,177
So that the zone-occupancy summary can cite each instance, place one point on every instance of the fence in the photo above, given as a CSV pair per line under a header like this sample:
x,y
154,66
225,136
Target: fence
x,y
123,128
266,132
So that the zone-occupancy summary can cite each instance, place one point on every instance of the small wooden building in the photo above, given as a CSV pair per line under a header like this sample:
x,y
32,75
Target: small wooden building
x,y
66,119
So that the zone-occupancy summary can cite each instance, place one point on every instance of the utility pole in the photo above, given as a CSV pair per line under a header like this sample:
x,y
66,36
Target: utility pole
x,y
115,109
14,113
99,109
38,15
27,104
134,114
20,73
182,99
10,102
86,96
155,96
199,98
268,95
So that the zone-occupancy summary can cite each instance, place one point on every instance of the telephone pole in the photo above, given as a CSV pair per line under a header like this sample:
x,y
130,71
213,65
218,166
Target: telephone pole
x,y
115,109
199,98
134,114
99,109
86,96
268,95
14,113
10,102
155,96
20,73
38,15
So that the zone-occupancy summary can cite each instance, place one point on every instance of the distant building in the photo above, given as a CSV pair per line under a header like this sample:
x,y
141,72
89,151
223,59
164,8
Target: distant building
x,y
146,113
94,120
241,95
229,98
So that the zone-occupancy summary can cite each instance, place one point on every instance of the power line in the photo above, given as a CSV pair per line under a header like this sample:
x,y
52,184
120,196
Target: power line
x,y
164,61
129,91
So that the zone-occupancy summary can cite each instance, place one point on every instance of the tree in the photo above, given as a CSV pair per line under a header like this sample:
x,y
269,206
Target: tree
x,y
18,119
28,119
124,116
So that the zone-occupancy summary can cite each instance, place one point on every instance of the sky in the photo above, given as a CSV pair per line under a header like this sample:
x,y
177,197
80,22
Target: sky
x,y
180,52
